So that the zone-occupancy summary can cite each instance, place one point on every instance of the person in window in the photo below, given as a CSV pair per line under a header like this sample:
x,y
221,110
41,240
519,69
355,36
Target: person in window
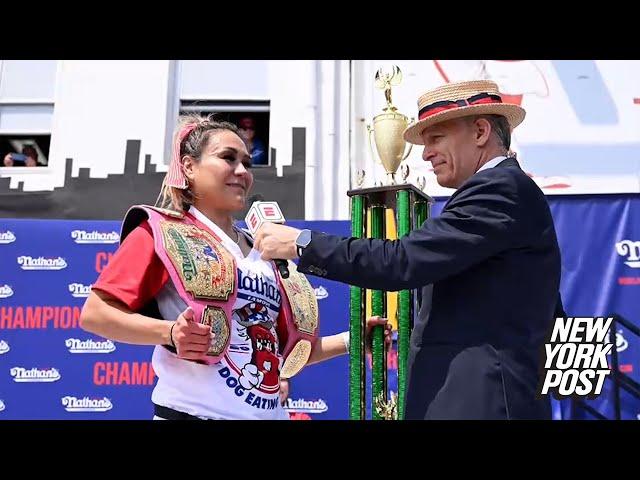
x,y
256,146
28,158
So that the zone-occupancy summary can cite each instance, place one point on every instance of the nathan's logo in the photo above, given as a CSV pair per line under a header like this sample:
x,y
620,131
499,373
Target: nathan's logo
x,y
576,357
75,345
5,291
253,285
621,342
7,237
301,405
79,290
82,236
321,292
4,347
631,250
21,374
86,404
188,264
1,405
41,263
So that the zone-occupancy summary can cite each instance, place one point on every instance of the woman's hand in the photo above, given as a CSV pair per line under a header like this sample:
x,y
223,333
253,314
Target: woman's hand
x,y
191,339
373,322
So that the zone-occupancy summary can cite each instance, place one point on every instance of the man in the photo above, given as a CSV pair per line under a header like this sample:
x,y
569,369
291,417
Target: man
x,y
488,266
256,147
28,158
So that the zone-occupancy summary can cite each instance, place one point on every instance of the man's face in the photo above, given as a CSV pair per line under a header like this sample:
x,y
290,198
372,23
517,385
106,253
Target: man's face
x,y
451,147
30,152
247,129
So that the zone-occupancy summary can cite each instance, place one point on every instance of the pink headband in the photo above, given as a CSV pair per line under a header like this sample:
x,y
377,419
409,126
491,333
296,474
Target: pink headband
x,y
175,176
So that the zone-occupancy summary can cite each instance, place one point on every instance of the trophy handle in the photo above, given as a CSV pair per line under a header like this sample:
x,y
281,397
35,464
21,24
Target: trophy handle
x,y
370,130
410,145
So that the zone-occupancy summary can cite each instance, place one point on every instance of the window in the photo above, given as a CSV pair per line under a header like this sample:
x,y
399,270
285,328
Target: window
x,y
26,111
19,147
251,117
236,91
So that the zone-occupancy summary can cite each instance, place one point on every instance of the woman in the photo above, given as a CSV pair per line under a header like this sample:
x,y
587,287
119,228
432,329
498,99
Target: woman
x,y
186,279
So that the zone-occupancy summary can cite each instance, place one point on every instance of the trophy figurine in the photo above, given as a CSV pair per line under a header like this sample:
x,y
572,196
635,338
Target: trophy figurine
x,y
369,208
388,127
388,410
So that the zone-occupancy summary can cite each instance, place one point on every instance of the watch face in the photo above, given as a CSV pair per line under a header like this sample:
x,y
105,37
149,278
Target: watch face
x,y
304,238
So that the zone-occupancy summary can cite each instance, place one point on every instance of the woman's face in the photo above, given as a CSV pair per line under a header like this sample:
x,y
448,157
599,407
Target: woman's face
x,y
222,178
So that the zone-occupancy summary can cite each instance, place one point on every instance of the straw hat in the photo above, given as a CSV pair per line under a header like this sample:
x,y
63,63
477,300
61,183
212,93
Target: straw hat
x,y
461,99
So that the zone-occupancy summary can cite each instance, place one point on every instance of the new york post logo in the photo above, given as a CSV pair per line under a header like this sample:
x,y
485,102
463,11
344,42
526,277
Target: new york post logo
x,y
575,357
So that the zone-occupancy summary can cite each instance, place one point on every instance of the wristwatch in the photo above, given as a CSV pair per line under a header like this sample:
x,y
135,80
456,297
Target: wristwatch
x,y
302,241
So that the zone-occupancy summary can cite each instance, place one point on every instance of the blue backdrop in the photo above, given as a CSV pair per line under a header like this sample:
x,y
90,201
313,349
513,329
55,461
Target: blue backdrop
x,y
51,369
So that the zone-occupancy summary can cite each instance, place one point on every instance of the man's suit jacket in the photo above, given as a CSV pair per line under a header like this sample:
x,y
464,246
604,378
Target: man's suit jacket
x,y
489,270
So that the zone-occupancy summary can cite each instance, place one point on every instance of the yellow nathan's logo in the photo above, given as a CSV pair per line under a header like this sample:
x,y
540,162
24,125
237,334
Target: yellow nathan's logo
x,y
204,266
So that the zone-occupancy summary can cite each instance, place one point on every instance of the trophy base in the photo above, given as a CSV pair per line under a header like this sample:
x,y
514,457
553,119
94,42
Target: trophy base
x,y
391,189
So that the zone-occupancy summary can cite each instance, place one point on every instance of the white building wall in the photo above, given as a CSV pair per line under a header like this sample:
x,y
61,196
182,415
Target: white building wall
x,y
99,105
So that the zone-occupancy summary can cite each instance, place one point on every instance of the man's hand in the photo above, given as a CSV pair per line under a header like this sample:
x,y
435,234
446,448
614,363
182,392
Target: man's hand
x,y
276,241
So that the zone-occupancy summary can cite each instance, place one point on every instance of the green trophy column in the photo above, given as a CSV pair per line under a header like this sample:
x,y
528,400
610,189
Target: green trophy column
x,y
421,211
379,359
356,323
403,222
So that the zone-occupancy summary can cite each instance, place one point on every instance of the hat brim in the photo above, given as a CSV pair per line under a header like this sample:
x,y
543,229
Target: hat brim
x,y
514,113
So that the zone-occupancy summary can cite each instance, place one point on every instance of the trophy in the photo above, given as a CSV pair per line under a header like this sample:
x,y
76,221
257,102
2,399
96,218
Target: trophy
x,y
388,127
369,208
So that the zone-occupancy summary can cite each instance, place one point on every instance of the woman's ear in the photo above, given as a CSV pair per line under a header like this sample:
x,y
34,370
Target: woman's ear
x,y
187,167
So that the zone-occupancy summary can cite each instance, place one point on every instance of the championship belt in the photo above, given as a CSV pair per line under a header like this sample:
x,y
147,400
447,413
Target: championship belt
x,y
203,272
300,312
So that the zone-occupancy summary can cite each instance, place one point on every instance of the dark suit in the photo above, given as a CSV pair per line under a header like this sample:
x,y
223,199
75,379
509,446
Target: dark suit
x,y
489,270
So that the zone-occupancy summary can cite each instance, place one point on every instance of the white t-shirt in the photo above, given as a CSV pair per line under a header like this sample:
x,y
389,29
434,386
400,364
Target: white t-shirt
x,y
245,384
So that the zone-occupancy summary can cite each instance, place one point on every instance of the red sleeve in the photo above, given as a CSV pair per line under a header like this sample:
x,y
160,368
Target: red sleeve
x,y
135,274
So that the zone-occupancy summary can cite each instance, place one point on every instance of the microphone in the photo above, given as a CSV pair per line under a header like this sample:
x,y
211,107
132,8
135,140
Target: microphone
x,y
263,212
255,198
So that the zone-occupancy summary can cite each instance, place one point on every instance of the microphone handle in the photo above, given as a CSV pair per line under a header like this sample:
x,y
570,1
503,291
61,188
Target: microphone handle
x,y
283,268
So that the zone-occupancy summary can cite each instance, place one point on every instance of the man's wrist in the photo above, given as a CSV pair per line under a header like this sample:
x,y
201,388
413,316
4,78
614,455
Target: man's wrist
x,y
302,241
